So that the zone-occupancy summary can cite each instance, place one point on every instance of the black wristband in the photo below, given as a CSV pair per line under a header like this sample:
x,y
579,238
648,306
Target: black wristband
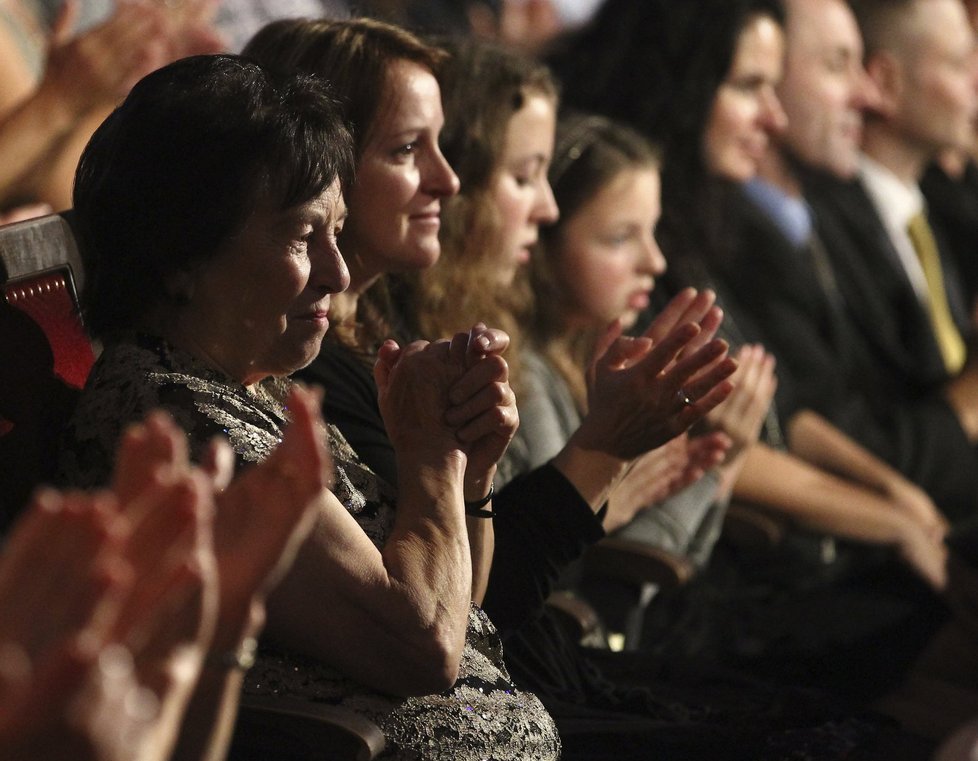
x,y
477,509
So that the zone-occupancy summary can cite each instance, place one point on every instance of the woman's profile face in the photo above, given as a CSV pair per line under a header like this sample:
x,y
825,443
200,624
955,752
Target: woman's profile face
x,y
395,204
258,307
606,258
746,111
520,189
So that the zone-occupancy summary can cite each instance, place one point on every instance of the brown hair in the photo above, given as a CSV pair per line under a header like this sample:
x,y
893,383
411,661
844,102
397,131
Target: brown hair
x,y
483,86
355,55
589,153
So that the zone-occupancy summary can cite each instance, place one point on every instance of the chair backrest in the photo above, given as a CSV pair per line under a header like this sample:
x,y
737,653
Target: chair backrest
x,y
45,354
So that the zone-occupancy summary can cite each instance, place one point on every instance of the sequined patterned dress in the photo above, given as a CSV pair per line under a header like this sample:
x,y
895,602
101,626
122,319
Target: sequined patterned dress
x,y
482,716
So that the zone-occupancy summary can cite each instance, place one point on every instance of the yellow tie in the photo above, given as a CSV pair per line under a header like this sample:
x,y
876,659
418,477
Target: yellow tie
x,y
946,332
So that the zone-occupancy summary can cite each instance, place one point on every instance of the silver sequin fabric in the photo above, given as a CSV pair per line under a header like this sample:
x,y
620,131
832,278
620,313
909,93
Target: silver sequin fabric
x,y
482,716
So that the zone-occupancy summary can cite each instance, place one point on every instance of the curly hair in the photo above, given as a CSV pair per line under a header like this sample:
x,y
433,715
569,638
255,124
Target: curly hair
x,y
483,86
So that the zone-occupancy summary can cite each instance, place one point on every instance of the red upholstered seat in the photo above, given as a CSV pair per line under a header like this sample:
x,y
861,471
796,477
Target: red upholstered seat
x,y
49,300
45,354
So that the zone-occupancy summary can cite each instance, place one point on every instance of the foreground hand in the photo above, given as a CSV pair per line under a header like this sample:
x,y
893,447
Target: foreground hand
x,y
46,632
121,615
164,627
102,645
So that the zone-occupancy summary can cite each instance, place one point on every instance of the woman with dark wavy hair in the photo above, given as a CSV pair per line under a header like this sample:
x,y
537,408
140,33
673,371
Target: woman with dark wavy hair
x,y
666,65
700,77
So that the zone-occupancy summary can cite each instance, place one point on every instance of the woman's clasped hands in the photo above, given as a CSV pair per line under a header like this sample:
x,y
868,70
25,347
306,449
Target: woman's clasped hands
x,y
456,389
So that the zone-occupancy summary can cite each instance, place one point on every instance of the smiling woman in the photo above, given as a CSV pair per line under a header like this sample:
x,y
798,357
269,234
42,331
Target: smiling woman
x,y
746,111
208,208
402,171
386,79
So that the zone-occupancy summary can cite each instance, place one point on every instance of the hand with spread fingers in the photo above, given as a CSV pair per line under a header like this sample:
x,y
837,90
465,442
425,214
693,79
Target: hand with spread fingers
x,y
128,594
115,602
96,68
48,119
645,391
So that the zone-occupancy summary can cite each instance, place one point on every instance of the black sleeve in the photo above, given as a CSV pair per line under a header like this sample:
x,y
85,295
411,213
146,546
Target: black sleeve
x,y
542,524
350,403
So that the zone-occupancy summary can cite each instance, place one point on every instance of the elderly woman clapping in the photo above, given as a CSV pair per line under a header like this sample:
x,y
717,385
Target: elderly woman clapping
x,y
208,207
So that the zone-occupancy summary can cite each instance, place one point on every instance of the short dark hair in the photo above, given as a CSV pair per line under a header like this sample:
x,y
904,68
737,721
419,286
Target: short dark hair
x,y
173,173
877,21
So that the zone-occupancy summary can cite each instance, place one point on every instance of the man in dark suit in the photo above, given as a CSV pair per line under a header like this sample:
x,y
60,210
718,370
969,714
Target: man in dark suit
x,y
817,263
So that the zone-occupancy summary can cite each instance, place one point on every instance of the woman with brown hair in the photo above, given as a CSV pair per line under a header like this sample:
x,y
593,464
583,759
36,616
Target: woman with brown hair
x,y
208,207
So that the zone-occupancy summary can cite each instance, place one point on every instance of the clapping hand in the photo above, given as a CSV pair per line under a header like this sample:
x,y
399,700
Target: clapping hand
x,y
112,600
742,414
113,624
483,409
644,391
412,392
